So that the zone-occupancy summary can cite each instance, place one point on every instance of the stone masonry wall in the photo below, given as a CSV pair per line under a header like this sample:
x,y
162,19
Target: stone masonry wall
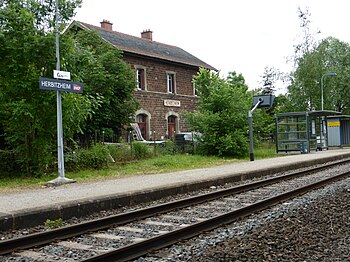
x,y
152,99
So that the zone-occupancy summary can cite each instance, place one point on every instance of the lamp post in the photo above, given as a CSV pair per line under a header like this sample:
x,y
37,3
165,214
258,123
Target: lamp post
x,y
328,74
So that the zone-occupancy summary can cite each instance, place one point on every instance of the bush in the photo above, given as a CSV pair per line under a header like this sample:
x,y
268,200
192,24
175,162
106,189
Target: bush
x,y
166,148
8,162
121,153
140,150
96,157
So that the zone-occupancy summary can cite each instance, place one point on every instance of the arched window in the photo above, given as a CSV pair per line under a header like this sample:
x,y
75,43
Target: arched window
x,y
142,122
171,126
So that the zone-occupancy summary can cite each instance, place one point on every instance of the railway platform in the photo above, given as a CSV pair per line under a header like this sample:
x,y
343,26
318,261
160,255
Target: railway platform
x,y
26,208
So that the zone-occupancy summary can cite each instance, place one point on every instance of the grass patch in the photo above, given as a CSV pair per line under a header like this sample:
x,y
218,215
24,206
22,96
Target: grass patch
x,y
160,164
265,151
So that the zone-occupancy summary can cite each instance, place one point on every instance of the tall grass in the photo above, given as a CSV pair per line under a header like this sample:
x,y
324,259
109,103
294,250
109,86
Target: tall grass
x,y
126,164
265,150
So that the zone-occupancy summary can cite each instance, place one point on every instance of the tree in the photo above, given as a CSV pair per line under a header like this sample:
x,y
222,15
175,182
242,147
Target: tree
x,y
28,114
331,55
269,80
308,41
314,60
26,51
222,114
108,80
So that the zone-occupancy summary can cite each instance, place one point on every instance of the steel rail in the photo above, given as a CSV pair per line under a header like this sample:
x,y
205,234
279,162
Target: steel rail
x,y
42,238
136,250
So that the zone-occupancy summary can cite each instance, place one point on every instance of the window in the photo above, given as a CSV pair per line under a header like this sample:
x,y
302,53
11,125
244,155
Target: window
x,y
195,92
171,83
140,79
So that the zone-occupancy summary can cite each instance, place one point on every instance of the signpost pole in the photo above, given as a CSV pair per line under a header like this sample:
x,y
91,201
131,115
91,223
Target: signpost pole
x,y
59,107
250,119
60,179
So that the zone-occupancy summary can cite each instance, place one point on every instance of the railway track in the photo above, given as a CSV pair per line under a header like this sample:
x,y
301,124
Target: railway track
x,y
130,235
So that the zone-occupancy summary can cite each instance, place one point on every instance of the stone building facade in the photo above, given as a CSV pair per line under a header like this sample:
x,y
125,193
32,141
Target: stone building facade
x,y
163,76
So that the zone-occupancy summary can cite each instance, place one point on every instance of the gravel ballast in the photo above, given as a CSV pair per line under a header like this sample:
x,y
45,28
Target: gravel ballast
x,y
314,227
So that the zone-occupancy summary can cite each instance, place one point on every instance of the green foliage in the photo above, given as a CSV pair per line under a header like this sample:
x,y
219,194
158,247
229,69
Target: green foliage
x,y
331,55
140,150
27,51
121,153
167,148
107,79
222,114
28,114
8,164
96,157
313,61
52,224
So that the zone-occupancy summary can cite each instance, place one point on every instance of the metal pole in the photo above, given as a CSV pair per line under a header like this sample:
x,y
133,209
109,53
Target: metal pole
x,y
322,92
250,119
251,145
59,107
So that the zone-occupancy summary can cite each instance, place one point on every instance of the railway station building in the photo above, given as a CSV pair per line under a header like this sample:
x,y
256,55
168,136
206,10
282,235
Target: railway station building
x,y
163,76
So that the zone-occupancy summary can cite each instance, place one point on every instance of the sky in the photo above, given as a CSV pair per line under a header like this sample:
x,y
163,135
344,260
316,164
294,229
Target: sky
x,y
230,35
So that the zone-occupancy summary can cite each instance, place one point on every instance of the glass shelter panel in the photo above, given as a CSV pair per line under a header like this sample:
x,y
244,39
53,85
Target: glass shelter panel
x,y
302,131
292,132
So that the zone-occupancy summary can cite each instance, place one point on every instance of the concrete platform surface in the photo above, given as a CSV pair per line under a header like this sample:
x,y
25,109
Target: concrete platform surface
x,y
24,207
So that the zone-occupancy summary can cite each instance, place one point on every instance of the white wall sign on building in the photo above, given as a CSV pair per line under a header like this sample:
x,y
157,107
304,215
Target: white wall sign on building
x,y
173,103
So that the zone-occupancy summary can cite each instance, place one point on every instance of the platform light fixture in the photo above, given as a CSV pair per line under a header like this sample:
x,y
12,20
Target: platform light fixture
x,y
328,74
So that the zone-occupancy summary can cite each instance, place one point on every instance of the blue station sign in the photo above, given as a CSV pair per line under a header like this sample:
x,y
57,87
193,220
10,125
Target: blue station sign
x,y
60,85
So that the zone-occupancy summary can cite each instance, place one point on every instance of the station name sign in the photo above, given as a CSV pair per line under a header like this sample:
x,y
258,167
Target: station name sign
x,y
60,85
173,103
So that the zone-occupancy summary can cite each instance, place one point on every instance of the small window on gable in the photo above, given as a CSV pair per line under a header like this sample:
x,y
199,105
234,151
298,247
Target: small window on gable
x,y
140,79
171,83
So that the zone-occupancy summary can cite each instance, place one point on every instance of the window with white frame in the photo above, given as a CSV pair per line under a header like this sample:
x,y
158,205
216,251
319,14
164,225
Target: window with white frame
x,y
171,83
195,92
140,79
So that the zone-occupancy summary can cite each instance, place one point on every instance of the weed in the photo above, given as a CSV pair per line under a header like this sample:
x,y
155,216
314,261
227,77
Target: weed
x,y
52,224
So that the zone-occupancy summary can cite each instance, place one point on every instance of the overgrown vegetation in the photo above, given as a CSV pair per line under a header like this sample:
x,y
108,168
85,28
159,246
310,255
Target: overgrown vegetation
x,y
28,115
222,114
129,166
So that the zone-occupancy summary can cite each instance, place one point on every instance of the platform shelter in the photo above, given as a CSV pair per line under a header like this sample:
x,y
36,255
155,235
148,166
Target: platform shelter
x,y
302,131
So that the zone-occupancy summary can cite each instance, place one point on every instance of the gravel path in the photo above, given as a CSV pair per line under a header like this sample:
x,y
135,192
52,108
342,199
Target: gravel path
x,y
315,227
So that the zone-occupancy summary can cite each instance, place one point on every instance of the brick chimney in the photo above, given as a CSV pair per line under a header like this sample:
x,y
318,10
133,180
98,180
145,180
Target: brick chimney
x,y
147,34
105,24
